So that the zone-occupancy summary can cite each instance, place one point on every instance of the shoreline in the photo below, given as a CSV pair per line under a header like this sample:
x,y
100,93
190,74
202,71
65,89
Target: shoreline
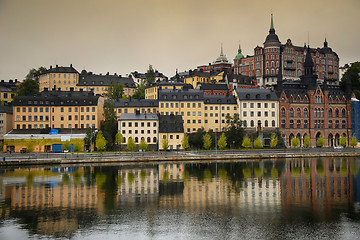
x,y
78,159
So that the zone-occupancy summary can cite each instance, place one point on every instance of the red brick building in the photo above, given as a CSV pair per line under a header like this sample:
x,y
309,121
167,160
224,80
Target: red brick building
x,y
308,107
265,62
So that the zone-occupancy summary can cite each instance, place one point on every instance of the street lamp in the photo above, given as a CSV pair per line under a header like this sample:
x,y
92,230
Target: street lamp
x,y
95,131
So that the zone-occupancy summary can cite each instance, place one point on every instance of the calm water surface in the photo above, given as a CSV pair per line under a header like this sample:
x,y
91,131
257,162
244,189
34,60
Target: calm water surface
x,y
282,199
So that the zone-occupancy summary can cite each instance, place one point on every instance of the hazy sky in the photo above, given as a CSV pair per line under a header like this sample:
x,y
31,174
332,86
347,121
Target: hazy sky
x,y
127,35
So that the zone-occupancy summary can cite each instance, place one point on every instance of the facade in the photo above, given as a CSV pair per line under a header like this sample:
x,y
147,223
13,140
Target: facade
x,y
310,108
6,120
199,77
152,91
215,89
171,128
62,78
139,126
8,90
138,78
234,81
258,108
58,109
99,84
132,105
265,62
219,65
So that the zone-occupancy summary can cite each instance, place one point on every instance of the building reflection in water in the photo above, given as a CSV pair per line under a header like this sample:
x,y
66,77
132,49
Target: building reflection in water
x,y
58,202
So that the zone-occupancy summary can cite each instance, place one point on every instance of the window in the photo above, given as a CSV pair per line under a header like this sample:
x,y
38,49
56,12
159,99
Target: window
x,y
251,114
244,105
291,123
298,112
343,113
282,112
259,114
337,113
259,105
266,105
266,123
266,114
343,124
305,112
298,124
244,114
273,123
305,124
252,123
251,105
291,112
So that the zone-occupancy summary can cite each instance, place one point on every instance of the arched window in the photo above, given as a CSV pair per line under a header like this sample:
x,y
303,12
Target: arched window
x,y
136,139
322,112
291,112
330,113
252,123
343,113
266,123
148,140
337,113
315,112
154,140
283,112
305,112
245,123
298,112
273,123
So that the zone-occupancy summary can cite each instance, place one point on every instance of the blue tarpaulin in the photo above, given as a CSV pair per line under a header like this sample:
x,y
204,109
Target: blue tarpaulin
x,y
54,131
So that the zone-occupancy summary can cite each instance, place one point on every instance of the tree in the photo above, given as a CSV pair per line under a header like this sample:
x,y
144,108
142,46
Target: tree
x,y
90,137
273,140
100,141
196,140
140,91
258,143
77,146
109,126
222,141
246,142
295,142
165,143
352,75
320,141
207,141
131,144
342,141
150,76
66,145
30,146
30,85
119,139
185,141
234,131
353,141
307,142
115,91
35,73
143,145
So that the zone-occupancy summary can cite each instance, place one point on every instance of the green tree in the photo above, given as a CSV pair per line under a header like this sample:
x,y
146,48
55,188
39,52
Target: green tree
x,y
77,146
143,145
307,142
353,141
352,75
196,140
115,91
207,141
30,84
343,141
100,141
273,140
131,144
35,73
246,142
295,142
109,126
185,141
320,141
234,131
258,143
165,143
150,76
119,139
140,91
30,146
222,141
66,145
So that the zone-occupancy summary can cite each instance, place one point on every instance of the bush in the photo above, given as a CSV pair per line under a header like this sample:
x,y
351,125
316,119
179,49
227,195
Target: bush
x,y
258,143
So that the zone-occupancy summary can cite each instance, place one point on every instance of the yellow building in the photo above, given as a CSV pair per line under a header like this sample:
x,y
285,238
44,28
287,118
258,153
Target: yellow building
x,y
131,105
99,83
6,120
58,109
151,92
194,78
60,78
8,90
171,128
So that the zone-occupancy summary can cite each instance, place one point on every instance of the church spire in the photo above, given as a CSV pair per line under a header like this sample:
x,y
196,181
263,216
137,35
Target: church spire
x,y
272,22
221,53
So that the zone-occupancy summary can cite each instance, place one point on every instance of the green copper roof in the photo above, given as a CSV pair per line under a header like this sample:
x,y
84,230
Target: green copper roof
x,y
272,22
239,55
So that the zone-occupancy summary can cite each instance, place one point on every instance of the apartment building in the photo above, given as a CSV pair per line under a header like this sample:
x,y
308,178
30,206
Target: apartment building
x,y
63,78
6,120
131,105
151,92
171,128
8,90
58,109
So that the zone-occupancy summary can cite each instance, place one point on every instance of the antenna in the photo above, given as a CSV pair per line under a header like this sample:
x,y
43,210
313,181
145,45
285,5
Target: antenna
x,y
308,39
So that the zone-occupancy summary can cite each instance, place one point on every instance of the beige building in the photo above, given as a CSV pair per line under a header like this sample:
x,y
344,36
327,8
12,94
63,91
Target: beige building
x,y
8,90
152,91
63,78
6,120
258,108
58,109
200,76
139,126
131,105
171,128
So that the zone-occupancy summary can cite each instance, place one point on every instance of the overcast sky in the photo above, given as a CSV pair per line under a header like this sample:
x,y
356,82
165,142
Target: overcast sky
x,y
120,36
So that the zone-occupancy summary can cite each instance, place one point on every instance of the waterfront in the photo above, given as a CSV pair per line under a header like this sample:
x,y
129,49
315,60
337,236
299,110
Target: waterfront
x,y
301,198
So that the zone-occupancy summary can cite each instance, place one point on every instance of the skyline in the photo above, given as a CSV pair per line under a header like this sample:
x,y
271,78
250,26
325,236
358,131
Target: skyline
x,y
125,36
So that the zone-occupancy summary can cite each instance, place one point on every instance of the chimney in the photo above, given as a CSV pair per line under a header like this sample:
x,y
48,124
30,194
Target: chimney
x,y
50,67
57,65
137,112
70,65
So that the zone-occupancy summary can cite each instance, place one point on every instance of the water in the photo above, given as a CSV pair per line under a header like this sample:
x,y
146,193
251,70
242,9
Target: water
x,y
282,199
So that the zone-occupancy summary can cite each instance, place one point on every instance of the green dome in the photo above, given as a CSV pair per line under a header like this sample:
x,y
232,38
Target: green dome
x,y
239,55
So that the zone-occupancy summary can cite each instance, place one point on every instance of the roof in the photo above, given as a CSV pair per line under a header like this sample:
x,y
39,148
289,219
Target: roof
x,y
139,116
58,98
171,124
168,83
181,95
211,86
256,94
10,86
143,75
219,99
136,103
90,79
6,109
61,69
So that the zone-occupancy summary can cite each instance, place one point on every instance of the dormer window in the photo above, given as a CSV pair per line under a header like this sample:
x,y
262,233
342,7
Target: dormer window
x,y
257,96
247,96
268,96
